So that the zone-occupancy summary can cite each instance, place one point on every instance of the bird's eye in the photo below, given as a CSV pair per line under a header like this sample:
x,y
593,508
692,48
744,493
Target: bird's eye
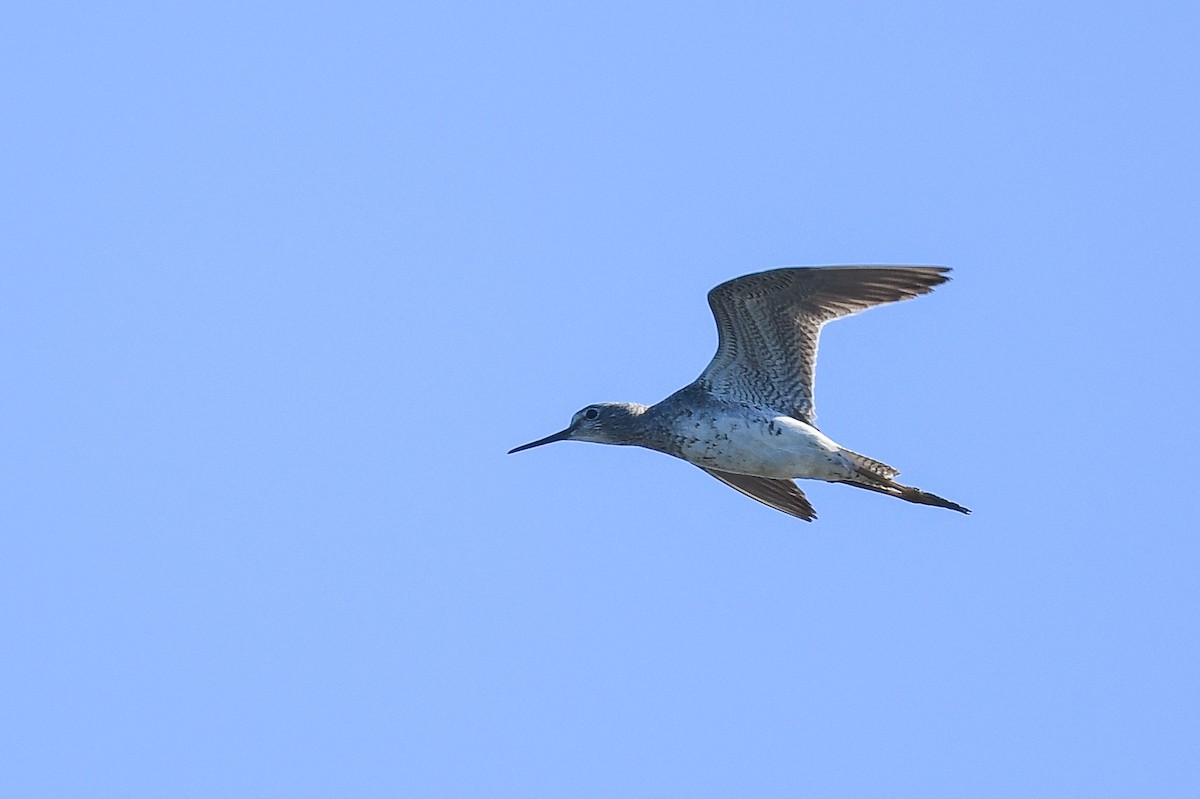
x,y
590,414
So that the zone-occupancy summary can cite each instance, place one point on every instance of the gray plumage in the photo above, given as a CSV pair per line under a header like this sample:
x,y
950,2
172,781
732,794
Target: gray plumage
x,y
769,324
748,419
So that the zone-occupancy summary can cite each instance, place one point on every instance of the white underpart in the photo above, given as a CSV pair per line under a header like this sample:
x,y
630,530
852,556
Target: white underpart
x,y
767,445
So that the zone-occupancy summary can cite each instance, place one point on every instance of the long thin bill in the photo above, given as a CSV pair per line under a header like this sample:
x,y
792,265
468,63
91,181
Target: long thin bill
x,y
561,435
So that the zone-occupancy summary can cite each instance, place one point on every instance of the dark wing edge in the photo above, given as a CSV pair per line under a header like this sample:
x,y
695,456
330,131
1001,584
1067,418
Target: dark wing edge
x,y
782,495
836,290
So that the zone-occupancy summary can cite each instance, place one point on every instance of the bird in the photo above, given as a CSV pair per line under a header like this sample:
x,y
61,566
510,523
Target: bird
x,y
749,419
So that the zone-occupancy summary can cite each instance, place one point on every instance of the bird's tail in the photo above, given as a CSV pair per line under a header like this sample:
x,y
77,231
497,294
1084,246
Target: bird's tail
x,y
876,476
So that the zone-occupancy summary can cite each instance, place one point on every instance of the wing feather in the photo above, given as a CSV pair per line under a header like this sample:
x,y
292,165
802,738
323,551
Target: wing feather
x,y
782,495
769,323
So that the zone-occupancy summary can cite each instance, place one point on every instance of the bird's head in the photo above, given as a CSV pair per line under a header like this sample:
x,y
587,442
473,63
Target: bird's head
x,y
601,423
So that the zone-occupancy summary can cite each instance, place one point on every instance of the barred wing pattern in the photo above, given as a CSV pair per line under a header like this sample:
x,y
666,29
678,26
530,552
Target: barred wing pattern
x,y
768,325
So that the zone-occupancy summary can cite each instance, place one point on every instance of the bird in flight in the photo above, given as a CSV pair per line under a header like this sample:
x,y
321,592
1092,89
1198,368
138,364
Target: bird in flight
x,y
748,420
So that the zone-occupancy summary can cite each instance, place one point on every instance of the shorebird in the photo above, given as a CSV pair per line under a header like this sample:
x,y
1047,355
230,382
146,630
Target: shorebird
x,y
748,420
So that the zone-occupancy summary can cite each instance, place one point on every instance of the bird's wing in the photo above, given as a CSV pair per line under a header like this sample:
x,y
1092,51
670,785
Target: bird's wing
x,y
779,494
768,325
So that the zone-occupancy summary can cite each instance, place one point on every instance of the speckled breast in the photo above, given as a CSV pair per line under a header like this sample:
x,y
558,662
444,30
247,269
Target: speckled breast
x,y
766,444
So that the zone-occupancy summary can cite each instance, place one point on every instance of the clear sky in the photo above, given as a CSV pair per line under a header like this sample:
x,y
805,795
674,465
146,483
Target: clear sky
x,y
280,284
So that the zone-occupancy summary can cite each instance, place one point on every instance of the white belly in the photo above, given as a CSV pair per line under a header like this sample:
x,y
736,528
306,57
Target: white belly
x,y
766,446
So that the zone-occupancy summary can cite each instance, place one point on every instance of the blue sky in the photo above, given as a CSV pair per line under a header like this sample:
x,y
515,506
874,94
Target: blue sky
x,y
283,282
